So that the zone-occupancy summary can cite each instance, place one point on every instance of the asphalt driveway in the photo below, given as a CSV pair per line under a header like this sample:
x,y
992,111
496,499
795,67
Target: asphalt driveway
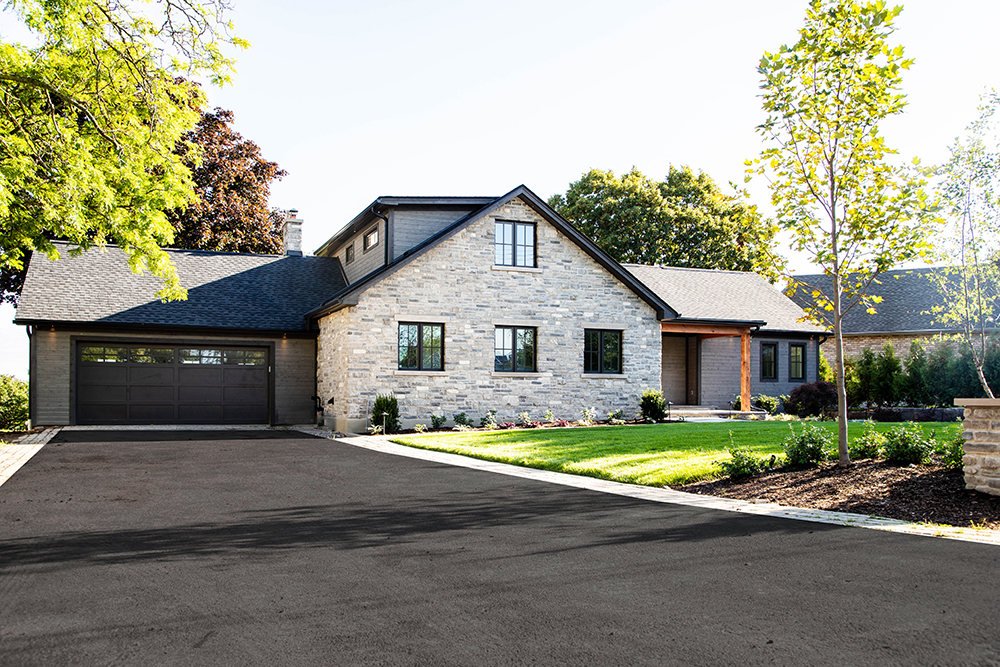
x,y
257,548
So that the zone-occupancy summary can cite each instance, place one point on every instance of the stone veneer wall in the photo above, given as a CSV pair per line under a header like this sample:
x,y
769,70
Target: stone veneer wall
x,y
854,344
982,444
457,285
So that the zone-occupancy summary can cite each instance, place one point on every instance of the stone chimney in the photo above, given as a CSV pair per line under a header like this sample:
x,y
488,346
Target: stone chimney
x,y
291,233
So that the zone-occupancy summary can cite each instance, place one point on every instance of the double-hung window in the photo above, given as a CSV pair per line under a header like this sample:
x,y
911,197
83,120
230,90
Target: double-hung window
x,y
768,361
421,347
796,362
371,239
602,351
514,349
514,244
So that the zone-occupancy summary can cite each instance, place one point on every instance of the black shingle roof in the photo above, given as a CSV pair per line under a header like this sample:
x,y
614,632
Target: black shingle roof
x,y
736,296
907,298
225,290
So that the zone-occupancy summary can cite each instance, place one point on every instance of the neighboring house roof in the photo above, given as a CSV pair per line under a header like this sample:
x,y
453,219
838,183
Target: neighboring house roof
x,y
724,296
348,296
225,290
908,295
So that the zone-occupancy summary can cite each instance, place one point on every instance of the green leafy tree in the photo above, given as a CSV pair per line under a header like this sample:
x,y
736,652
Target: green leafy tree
x,y
970,281
834,184
90,116
684,220
13,403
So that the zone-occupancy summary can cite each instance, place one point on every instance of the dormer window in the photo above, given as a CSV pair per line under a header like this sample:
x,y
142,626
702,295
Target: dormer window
x,y
371,238
515,243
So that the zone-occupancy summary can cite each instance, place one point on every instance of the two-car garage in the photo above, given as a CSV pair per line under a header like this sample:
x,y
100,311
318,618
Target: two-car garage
x,y
122,383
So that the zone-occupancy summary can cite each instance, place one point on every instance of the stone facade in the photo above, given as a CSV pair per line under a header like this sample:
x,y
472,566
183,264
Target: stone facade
x,y
855,343
457,285
982,444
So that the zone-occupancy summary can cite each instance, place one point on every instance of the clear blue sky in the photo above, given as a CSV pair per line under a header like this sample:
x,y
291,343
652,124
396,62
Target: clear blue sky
x,y
362,98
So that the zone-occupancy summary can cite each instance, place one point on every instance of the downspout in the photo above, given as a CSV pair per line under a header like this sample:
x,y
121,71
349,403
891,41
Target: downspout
x,y
385,232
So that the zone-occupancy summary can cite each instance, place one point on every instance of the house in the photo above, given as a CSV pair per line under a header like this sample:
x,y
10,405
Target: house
x,y
454,304
904,315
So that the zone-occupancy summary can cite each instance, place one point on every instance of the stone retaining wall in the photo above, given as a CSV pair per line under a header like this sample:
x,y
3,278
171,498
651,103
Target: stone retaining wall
x,y
982,444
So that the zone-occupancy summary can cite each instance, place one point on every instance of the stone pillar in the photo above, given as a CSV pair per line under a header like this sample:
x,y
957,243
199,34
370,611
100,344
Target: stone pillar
x,y
982,444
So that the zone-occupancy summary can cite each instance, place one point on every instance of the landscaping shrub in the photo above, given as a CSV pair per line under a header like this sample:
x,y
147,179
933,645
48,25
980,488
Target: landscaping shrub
x,y
524,418
616,417
812,399
808,448
588,415
489,422
869,444
437,421
461,420
742,461
768,404
386,412
652,406
905,444
13,403
952,451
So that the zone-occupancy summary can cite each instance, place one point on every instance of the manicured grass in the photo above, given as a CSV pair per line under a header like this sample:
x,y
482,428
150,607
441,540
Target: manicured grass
x,y
652,455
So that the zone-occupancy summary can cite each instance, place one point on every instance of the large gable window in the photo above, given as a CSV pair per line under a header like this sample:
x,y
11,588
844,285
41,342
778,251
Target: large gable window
x,y
602,351
515,243
768,361
421,347
514,349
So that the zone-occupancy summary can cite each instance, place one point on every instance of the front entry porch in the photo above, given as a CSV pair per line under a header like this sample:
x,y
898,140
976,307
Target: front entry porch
x,y
684,366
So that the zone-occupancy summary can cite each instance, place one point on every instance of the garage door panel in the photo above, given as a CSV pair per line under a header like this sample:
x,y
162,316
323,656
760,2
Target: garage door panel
x,y
200,375
134,383
151,413
150,374
141,394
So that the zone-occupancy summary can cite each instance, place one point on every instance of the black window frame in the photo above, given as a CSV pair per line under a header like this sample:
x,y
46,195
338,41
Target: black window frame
x,y
774,376
513,245
514,349
365,246
590,355
349,254
791,363
419,367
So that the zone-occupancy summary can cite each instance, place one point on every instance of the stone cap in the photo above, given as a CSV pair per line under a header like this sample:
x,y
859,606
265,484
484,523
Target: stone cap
x,y
978,402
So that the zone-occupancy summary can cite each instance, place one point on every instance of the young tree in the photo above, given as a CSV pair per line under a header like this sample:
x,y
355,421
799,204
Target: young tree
x,y
90,117
970,281
232,182
833,183
684,220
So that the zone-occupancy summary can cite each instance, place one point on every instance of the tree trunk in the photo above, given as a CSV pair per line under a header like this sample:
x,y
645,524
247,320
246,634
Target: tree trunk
x,y
843,458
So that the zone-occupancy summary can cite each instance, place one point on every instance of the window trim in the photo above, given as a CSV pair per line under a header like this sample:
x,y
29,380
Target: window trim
x,y
513,350
349,253
420,347
769,378
801,346
600,351
513,244
365,247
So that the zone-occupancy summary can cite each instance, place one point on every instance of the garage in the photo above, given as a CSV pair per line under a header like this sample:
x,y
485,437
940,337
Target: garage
x,y
122,383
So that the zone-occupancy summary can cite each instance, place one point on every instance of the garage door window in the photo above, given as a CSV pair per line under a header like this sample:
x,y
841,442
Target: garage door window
x,y
104,354
244,357
151,355
204,357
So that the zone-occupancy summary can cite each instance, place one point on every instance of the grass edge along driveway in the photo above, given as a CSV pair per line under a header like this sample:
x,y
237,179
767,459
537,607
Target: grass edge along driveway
x,y
650,455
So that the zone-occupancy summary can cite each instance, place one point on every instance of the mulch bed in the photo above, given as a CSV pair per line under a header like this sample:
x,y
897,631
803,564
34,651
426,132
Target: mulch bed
x,y
928,493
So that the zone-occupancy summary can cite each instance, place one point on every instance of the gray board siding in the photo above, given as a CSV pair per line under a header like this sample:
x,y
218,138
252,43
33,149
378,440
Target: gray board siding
x,y
412,226
53,368
364,262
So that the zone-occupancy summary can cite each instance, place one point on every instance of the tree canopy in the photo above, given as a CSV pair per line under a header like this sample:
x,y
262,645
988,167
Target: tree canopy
x,y
835,186
90,117
684,220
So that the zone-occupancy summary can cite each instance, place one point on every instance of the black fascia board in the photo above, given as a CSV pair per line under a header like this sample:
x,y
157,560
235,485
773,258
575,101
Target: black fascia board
x,y
152,329
728,323
342,298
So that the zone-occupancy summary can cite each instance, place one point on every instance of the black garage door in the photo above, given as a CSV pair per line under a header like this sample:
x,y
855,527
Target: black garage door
x,y
157,384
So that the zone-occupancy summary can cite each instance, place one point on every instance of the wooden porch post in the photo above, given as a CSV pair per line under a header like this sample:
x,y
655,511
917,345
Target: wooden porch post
x,y
745,372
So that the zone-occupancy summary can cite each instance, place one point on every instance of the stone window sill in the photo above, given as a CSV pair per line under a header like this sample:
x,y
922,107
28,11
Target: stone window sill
x,y
522,269
422,373
604,376
501,374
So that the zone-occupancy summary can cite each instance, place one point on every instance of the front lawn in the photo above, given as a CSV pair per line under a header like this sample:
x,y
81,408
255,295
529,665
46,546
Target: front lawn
x,y
652,455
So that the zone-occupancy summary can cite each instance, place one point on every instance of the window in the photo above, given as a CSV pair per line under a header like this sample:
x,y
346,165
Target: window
x,y
768,361
111,355
371,238
151,355
349,254
421,347
515,243
207,357
796,361
514,350
602,351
